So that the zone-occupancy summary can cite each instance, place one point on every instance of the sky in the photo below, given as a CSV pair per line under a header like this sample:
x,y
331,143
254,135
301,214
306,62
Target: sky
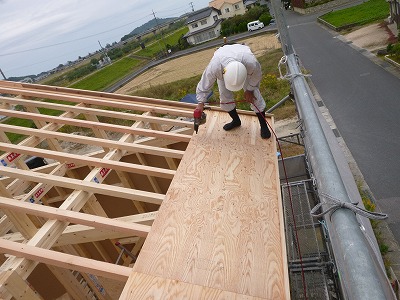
x,y
37,36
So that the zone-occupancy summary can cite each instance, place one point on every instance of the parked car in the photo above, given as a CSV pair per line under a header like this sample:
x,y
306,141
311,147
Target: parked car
x,y
255,25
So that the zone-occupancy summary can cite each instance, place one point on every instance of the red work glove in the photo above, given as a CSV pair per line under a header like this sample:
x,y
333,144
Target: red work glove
x,y
200,107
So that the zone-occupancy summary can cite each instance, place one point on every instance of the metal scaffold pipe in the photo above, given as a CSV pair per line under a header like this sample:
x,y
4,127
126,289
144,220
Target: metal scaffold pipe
x,y
362,275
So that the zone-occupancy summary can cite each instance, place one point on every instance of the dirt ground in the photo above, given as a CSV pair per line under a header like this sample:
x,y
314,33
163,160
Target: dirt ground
x,y
192,65
373,37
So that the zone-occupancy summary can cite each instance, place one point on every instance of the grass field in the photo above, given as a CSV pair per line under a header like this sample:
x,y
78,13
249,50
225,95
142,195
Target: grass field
x,y
108,75
156,47
362,14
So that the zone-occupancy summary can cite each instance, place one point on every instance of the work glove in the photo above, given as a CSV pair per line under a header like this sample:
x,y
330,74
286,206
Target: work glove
x,y
199,107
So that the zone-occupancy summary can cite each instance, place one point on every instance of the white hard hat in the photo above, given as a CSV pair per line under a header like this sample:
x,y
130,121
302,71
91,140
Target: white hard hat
x,y
235,74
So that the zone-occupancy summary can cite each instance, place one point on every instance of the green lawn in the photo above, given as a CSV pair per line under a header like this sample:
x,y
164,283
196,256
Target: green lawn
x,y
159,46
364,13
108,75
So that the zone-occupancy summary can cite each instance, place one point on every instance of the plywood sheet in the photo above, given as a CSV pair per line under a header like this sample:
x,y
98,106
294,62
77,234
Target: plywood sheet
x,y
220,225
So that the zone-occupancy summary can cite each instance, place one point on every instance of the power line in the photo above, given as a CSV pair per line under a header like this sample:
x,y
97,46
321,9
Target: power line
x,y
70,41
178,8
181,10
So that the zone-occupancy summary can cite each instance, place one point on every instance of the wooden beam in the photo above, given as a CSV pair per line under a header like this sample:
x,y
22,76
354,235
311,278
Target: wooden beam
x,y
112,97
65,261
74,288
152,180
74,217
52,229
77,234
108,100
99,112
90,161
106,103
17,287
52,143
20,221
130,147
91,187
89,124
32,141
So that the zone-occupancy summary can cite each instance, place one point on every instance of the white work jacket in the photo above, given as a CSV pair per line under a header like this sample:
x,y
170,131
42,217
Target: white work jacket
x,y
220,60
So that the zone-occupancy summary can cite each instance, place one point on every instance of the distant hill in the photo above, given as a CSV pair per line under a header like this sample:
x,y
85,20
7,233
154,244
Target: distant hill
x,y
150,24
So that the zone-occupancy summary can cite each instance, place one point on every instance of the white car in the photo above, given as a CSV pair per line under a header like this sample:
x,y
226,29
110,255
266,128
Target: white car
x,y
255,25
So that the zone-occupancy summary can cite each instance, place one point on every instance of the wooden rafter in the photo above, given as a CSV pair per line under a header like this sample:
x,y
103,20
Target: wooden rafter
x,y
84,186
98,112
97,125
64,260
74,217
91,161
100,102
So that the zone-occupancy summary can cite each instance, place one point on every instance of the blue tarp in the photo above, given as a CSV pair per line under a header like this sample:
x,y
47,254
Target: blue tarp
x,y
191,98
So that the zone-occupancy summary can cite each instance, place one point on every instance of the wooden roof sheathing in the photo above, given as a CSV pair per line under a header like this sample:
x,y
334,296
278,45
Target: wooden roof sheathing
x,y
218,233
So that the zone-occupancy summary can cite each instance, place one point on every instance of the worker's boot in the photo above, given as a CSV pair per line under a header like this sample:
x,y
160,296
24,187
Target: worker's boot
x,y
265,133
235,120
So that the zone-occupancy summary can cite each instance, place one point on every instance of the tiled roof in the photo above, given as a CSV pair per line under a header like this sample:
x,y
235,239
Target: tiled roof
x,y
199,14
218,3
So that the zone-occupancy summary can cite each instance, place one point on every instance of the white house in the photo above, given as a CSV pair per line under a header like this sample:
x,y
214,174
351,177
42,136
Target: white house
x,y
204,25
228,8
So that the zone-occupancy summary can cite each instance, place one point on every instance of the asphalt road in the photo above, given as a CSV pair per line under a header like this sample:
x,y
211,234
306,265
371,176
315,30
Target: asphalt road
x,y
364,100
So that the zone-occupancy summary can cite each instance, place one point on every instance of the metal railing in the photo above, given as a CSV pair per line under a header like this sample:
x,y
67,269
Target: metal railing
x,y
362,274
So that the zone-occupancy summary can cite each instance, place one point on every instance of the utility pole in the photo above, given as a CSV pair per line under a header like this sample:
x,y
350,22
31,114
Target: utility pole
x,y
104,51
4,76
191,4
162,37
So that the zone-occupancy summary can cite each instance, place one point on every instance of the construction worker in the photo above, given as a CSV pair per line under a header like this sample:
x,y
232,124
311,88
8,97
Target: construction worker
x,y
234,67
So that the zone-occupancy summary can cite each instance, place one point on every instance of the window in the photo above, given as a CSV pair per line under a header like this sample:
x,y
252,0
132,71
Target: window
x,y
227,9
195,25
203,22
237,6
215,18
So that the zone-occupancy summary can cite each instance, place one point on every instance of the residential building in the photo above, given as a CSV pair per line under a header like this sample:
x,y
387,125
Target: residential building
x,y
204,25
228,8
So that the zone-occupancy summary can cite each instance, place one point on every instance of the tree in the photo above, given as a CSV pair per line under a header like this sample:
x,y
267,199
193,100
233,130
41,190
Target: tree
x,y
265,18
94,61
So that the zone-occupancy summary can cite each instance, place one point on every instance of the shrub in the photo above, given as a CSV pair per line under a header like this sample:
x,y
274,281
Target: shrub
x,y
394,51
238,24
265,18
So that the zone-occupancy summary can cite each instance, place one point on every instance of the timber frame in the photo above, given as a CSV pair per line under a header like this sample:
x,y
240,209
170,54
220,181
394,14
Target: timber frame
x,y
74,228
92,209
